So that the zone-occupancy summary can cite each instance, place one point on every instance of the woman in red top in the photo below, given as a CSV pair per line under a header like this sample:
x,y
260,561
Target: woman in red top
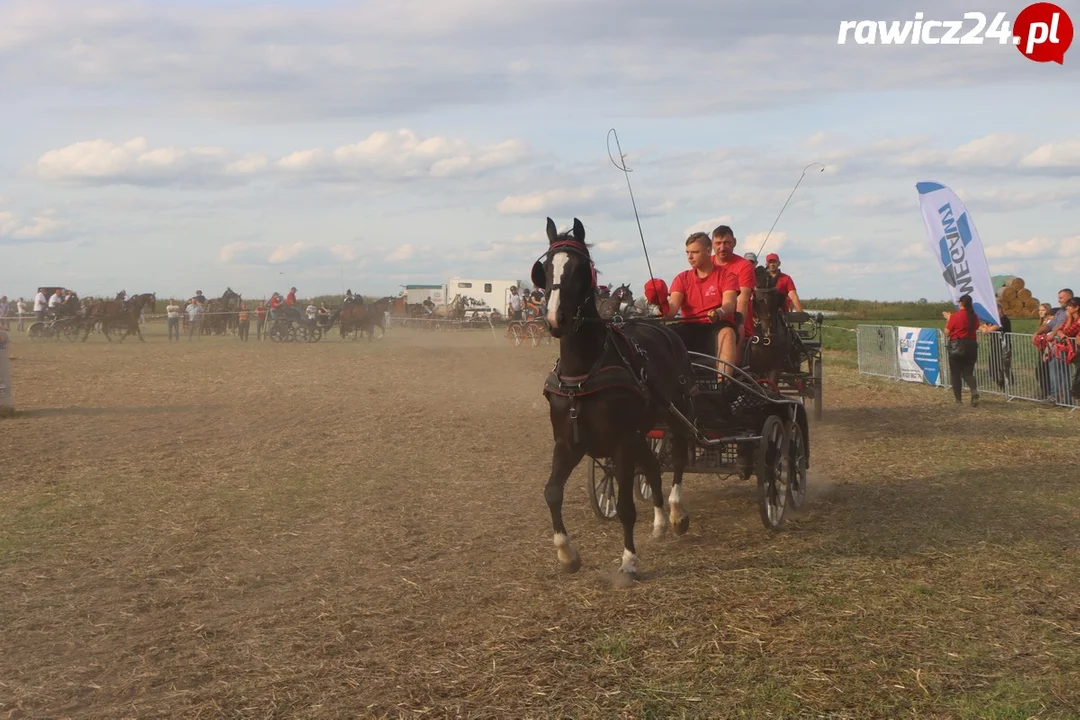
x,y
963,348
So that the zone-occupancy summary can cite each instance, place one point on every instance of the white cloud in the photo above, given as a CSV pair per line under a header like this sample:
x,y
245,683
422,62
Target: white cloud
x,y
403,252
42,227
1031,248
1060,155
1070,247
383,155
586,201
705,226
752,242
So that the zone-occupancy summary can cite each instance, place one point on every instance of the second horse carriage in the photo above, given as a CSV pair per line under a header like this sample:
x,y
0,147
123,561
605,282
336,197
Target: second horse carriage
x,y
288,324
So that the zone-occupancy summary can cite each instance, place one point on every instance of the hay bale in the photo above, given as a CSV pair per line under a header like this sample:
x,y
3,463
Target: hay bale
x,y
1024,295
1016,283
1007,295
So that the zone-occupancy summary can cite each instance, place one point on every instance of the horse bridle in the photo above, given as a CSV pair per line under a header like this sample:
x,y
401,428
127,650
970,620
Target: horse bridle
x,y
757,339
539,272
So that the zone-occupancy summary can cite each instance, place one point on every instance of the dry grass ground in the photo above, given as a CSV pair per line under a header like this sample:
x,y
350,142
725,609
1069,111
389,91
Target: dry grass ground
x,y
359,530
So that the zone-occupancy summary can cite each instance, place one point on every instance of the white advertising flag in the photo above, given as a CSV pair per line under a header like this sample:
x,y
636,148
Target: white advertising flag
x,y
958,249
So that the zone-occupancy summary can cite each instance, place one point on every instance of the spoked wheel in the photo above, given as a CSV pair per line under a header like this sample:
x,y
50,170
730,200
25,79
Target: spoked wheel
x,y
602,488
797,463
771,467
314,334
278,333
300,333
817,387
517,334
38,331
71,332
533,334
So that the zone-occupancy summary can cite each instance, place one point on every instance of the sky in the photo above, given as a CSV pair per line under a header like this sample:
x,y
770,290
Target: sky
x,y
173,146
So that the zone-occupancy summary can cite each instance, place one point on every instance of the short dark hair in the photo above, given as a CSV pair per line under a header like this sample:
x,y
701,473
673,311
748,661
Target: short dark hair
x,y
1072,302
723,231
698,237
1066,290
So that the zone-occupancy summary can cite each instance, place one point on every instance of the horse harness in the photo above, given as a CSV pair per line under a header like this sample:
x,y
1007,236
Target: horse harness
x,y
628,372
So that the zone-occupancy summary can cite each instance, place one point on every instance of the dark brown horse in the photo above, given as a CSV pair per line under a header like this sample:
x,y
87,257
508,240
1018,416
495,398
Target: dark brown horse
x,y
773,348
361,318
116,314
610,387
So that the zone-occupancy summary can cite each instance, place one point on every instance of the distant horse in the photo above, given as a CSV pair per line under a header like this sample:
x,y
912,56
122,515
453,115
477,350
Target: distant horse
x,y
222,314
774,347
610,386
358,318
618,302
117,314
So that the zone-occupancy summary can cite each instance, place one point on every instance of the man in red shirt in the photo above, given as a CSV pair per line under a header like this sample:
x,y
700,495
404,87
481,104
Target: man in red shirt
x,y
785,286
290,299
260,319
706,296
723,245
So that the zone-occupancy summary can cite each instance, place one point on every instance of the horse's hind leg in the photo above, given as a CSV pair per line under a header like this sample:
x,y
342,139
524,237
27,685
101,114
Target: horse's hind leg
x,y
563,461
650,467
680,450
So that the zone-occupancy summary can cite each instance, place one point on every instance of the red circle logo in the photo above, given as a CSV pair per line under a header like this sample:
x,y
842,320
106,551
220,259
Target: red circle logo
x,y
1043,32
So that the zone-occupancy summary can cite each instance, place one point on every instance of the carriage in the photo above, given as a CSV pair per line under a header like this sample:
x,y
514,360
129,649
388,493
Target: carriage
x,y
745,427
289,325
64,320
805,333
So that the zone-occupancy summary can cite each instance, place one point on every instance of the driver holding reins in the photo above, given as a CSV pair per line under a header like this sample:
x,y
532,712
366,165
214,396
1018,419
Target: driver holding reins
x,y
785,286
706,295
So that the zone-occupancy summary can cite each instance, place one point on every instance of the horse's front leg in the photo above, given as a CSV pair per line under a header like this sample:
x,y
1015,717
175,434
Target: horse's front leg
x,y
650,466
624,507
680,450
563,461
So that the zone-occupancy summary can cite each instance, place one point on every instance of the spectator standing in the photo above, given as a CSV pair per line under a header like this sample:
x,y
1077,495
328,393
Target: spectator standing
x,y
40,301
172,315
961,327
244,319
1000,348
260,319
21,305
194,313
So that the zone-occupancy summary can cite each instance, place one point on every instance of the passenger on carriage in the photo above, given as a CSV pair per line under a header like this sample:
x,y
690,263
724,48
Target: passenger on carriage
x,y
706,296
514,305
723,245
290,299
199,298
789,299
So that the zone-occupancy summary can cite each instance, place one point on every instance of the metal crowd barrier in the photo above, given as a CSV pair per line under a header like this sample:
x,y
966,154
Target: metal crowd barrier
x,y
1009,365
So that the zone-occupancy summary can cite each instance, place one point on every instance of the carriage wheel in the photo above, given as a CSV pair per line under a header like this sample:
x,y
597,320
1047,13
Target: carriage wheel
x,y
533,334
516,333
797,463
37,331
314,334
602,488
817,387
300,333
71,332
276,333
771,468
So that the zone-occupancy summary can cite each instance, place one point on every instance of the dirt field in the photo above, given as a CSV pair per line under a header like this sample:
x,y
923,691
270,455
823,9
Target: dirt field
x,y
359,530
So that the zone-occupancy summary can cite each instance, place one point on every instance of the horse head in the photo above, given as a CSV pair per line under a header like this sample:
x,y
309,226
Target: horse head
x,y
766,304
567,275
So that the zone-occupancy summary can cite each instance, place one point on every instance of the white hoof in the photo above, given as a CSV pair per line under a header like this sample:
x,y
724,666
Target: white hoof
x,y
629,563
660,522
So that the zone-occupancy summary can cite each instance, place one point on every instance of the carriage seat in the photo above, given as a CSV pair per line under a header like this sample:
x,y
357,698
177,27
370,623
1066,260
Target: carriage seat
x,y
797,317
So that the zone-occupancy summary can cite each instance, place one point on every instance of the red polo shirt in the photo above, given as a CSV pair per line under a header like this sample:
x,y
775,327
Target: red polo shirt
x,y
784,285
702,294
743,270
290,299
